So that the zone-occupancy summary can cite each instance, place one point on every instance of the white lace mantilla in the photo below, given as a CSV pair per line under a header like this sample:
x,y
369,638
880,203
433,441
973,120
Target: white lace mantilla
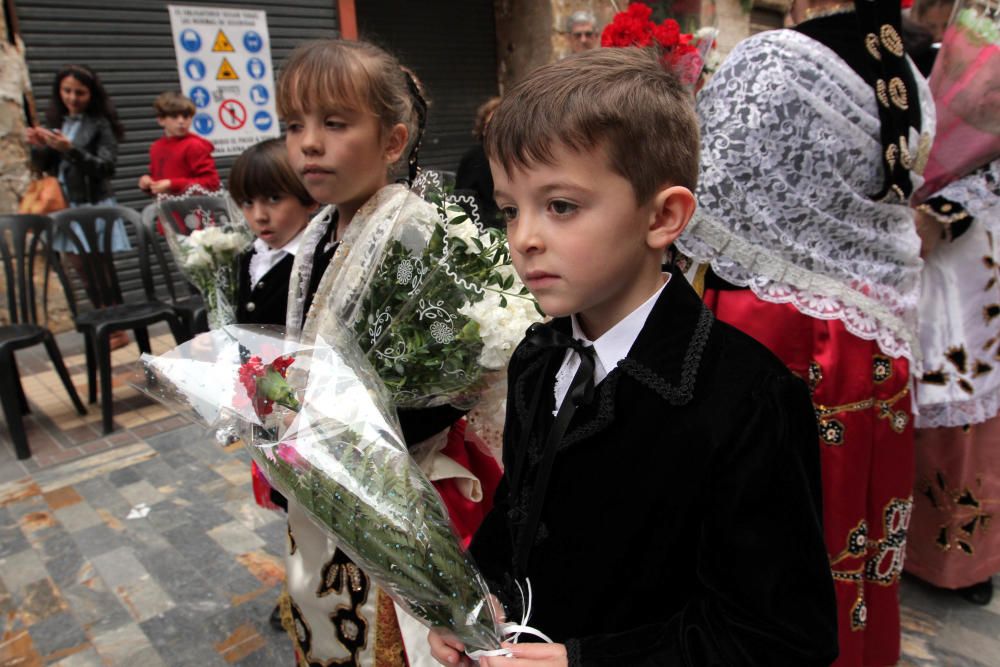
x,y
790,154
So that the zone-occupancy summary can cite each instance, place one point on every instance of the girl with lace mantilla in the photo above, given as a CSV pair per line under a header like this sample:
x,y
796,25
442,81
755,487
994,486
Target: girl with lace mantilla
x,y
811,141
352,113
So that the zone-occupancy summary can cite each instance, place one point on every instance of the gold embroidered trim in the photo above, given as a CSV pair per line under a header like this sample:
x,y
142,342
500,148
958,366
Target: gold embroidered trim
x,y
871,43
897,93
890,154
891,40
904,153
943,219
881,94
389,650
923,152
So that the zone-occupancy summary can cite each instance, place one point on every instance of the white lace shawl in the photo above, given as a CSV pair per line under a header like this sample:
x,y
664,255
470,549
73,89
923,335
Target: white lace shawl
x,y
790,154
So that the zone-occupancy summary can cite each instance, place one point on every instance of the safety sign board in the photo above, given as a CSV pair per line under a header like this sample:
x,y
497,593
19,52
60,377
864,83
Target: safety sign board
x,y
225,67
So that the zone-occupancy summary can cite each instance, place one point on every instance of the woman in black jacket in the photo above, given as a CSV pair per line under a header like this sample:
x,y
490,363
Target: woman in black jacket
x,y
80,148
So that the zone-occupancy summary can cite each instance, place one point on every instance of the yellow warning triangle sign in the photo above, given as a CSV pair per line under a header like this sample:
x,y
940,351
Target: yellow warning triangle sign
x,y
226,72
222,43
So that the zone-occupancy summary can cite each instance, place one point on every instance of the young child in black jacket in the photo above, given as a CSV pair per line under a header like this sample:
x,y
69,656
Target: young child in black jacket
x,y
661,485
277,207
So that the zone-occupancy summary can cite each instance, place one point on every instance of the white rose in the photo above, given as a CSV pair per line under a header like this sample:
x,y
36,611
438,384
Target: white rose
x,y
500,328
197,258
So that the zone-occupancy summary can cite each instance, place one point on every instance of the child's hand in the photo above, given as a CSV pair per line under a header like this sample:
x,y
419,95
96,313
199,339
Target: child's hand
x,y
159,187
145,183
447,649
530,655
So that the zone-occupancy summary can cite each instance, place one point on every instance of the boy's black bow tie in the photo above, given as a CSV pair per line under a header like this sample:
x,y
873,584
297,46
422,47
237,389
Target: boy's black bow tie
x,y
546,337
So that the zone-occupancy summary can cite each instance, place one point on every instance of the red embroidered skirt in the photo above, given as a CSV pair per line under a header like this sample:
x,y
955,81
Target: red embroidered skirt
x,y
866,452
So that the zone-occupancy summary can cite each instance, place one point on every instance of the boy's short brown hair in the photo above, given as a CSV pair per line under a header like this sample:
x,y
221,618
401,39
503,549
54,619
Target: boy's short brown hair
x,y
620,99
172,103
263,170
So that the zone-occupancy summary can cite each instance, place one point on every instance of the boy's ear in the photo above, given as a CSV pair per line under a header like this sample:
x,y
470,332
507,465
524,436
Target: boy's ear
x,y
396,143
673,207
161,121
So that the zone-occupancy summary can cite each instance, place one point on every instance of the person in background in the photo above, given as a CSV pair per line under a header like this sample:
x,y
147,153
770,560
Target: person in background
x,y
178,160
474,169
583,33
80,148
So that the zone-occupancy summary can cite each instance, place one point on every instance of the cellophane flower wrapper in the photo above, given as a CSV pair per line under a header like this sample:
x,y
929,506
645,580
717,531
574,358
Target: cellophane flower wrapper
x,y
333,444
432,300
965,83
209,258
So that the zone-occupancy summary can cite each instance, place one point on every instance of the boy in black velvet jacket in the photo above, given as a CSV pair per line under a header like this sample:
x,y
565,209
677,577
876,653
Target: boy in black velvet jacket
x,y
661,487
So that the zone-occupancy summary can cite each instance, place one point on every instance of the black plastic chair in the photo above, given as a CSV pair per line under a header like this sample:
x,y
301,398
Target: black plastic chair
x,y
20,254
79,228
186,301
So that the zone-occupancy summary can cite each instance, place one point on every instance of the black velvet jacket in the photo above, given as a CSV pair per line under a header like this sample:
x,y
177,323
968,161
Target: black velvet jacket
x,y
681,523
270,295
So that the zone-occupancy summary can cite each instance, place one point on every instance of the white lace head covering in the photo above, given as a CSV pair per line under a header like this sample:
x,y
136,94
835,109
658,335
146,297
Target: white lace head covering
x,y
791,156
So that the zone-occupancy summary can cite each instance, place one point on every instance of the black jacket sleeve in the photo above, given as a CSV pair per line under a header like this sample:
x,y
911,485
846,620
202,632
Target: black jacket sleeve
x,y
96,159
767,593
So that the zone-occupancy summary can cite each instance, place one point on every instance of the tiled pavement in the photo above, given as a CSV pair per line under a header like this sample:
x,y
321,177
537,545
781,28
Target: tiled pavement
x,y
145,548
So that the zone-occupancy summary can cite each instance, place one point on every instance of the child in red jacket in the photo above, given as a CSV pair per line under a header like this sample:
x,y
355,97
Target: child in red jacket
x,y
178,160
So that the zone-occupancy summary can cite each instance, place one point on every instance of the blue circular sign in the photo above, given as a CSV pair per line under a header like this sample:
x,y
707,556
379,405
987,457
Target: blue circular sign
x,y
190,40
200,96
262,120
203,124
252,41
259,95
255,68
195,69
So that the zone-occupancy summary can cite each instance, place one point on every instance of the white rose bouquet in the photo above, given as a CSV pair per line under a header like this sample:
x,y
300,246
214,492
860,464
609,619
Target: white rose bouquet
x,y
209,259
432,300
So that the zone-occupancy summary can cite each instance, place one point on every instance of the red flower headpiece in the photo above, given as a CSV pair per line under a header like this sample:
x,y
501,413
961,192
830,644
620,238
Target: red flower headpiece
x,y
633,27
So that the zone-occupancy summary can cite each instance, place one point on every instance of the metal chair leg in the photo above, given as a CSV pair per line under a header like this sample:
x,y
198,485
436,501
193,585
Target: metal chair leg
x,y
56,356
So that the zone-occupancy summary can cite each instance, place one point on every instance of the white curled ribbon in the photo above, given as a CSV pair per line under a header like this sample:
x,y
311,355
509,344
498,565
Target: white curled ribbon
x,y
513,631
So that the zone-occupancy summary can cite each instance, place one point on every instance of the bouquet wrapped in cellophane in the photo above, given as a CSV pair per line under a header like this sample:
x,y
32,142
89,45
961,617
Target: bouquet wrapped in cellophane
x,y
209,258
965,83
431,298
334,446
420,304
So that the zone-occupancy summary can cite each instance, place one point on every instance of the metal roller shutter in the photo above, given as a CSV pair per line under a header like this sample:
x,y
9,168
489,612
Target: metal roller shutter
x,y
129,44
452,48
